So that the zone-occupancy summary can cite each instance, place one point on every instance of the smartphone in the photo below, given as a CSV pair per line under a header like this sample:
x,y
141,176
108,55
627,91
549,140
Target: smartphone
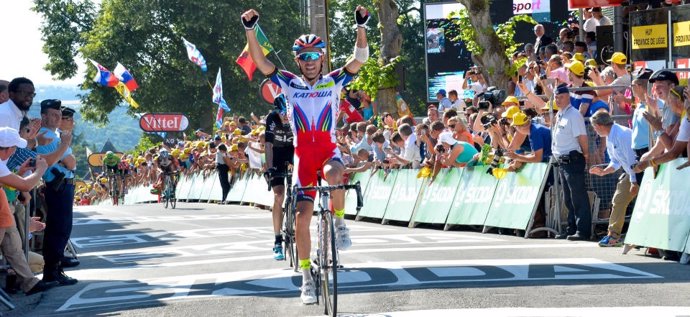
x,y
32,162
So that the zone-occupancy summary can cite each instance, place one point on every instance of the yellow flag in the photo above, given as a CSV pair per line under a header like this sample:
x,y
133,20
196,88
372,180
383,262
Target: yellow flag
x,y
125,93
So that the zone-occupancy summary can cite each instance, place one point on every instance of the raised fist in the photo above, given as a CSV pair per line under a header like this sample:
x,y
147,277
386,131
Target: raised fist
x,y
249,19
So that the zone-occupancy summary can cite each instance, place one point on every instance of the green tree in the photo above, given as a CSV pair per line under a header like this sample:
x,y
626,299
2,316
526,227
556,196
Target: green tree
x,y
145,36
491,46
393,48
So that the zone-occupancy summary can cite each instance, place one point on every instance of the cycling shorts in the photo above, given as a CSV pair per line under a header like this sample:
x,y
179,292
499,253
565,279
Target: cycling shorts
x,y
280,157
308,162
114,169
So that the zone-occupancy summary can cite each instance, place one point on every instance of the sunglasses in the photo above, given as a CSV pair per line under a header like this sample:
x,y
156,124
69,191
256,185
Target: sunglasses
x,y
309,56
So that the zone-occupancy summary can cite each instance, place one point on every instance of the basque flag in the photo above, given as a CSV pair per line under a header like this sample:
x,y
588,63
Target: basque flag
x,y
104,76
195,56
218,93
125,77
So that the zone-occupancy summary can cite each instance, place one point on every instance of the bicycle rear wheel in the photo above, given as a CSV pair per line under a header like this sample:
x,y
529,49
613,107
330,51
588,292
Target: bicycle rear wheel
x,y
329,266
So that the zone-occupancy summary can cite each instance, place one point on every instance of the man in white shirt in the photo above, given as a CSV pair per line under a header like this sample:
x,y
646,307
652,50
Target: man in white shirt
x,y
590,24
410,152
21,95
619,149
571,151
601,18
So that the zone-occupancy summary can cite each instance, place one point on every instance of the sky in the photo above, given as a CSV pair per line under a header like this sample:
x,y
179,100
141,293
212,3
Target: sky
x,y
23,56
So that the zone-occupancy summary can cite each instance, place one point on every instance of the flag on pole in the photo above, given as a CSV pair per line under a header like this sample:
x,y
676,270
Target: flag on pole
x,y
245,60
126,94
104,76
218,93
125,77
195,56
219,117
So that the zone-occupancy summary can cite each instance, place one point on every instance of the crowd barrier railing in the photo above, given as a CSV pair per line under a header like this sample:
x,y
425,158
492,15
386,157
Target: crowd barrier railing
x,y
471,197
458,196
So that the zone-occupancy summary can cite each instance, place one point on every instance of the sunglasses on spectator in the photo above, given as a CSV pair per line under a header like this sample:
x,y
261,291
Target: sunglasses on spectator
x,y
309,56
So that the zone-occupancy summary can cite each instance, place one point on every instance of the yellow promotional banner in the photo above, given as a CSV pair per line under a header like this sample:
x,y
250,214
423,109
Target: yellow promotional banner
x,y
681,33
649,36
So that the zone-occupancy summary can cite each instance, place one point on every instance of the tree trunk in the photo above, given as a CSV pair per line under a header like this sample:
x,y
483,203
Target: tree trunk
x,y
391,44
493,60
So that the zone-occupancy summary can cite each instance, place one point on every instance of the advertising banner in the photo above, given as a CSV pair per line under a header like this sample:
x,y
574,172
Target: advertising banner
x,y
661,218
517,196
163,122
184,184
237,189
473,199
649,37
680,34
378,194
404,196
197,189
435,201
583,4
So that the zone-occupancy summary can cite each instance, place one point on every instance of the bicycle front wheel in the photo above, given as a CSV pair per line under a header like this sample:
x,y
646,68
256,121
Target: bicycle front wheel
x,y
329,266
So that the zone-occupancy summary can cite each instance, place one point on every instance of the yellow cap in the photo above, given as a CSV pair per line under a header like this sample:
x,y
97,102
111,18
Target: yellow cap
x,y
618,58
519,119
237,132
577,68
511,111
548,104
104,180
233,148
579,57
511,99
175,153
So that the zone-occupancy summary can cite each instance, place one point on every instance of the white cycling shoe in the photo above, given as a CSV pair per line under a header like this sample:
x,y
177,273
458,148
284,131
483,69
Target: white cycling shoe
x,y
342,238
308,295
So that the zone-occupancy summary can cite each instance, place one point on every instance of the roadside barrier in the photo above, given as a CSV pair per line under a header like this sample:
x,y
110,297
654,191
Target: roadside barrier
x,y
470,197
661,218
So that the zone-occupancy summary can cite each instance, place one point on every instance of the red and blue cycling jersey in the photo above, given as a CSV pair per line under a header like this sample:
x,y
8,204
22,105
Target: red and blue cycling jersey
x,y
312,111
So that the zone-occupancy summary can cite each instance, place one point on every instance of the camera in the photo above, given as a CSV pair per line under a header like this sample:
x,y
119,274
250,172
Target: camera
x,y
483,105
488,121
32,162
493,95
440,149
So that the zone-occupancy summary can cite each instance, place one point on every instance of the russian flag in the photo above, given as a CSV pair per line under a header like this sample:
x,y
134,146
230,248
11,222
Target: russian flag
x,y
125,77
104,76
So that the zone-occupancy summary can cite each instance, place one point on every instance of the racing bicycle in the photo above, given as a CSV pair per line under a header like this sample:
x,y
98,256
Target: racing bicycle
x,y
325,262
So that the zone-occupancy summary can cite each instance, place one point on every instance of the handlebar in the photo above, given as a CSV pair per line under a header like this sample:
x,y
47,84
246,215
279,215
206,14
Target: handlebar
x,y
322,189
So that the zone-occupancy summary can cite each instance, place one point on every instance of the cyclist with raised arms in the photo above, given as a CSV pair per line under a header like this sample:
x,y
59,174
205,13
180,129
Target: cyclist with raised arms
x,y
312,110
279,151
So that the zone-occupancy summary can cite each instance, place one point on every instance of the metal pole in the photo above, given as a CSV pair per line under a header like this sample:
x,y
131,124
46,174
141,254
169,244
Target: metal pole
x,y
28,212
556,168
618,42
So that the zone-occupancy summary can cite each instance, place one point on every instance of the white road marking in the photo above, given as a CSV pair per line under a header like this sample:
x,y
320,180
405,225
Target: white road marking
x,y
538,312
388,275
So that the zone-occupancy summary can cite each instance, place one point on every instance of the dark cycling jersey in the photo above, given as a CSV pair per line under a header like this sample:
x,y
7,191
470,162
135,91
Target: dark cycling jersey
x,y
278,133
